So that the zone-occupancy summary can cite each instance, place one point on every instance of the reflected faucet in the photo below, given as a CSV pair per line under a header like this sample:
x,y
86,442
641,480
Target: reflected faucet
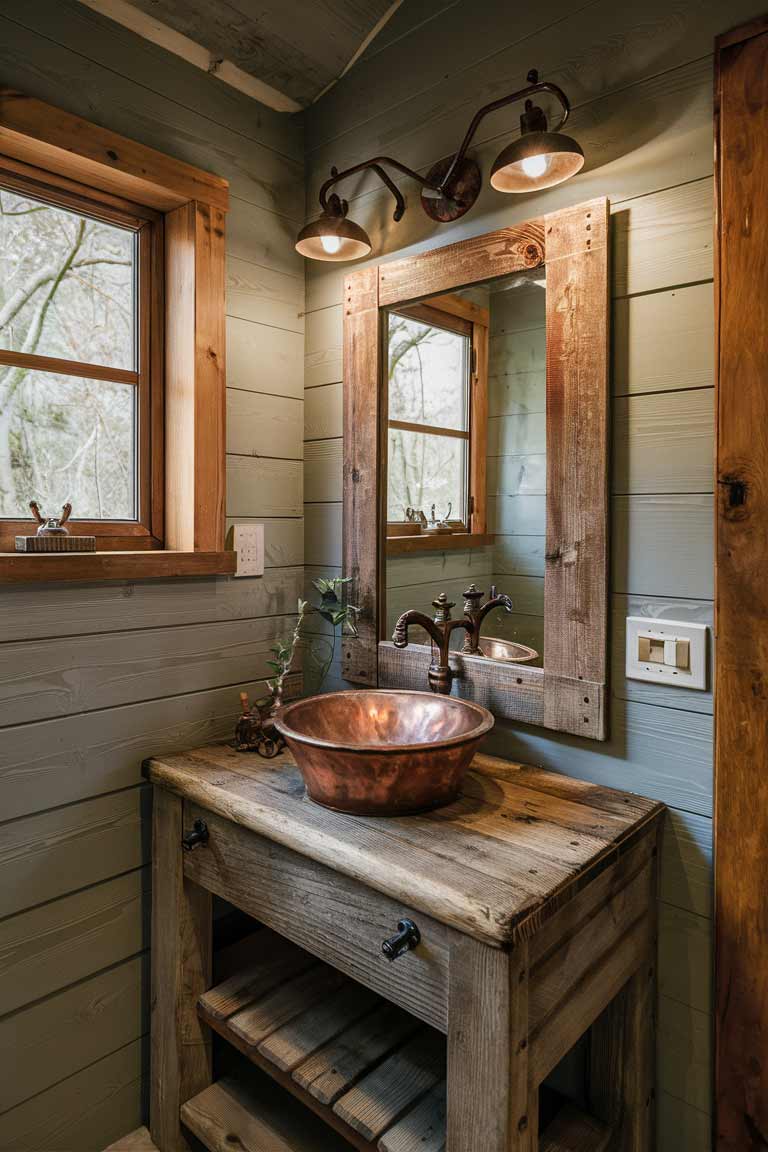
x,y
440,674
475,614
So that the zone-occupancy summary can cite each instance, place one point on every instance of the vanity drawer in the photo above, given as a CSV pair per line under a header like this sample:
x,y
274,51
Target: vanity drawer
x,y
338,919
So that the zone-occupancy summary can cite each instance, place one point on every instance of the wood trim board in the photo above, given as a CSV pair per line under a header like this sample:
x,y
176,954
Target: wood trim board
x,y
37,133
741,593
574,244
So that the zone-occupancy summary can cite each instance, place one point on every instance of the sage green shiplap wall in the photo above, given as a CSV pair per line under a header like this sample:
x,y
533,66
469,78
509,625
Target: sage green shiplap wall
x,y
95,678
640,78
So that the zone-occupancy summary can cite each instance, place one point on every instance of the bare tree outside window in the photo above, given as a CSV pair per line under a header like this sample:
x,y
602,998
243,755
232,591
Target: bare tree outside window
x,y
428,377
67,291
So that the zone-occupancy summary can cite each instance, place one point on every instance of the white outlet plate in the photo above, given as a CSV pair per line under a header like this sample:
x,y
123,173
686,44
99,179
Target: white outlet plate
x,y
695,676
248,541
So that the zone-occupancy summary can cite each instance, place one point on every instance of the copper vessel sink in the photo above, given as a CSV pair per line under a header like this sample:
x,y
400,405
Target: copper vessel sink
x,y
383,753
507,650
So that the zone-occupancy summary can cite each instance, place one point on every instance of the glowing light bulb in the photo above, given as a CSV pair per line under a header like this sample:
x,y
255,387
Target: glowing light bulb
x,y
534,166
331,244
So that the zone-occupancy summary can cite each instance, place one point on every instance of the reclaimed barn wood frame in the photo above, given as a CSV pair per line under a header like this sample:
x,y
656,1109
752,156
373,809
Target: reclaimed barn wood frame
x,y
569,694
38,141
741,593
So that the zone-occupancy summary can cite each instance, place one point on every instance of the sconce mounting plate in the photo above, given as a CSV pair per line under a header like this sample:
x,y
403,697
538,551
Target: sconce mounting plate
x,y
461,193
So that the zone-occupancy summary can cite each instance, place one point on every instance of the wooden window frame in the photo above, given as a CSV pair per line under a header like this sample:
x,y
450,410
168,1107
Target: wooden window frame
x,y
146,531
455,314
183,209
570,693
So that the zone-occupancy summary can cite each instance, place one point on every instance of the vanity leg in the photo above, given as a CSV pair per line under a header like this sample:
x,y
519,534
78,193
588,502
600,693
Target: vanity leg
x,y
181,971
622,1062
488,1079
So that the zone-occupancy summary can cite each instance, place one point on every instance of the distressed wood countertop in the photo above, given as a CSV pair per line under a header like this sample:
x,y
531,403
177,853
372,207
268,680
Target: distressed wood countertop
x,y
519,843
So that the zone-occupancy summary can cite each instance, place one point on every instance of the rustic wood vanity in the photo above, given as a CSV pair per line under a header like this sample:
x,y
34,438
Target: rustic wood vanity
x,y
533,902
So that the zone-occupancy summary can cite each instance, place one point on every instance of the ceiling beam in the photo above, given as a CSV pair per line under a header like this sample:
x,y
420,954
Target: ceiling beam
x,y
131,17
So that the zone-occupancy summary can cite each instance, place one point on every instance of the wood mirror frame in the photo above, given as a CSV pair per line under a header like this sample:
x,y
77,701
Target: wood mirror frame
x,y
569,693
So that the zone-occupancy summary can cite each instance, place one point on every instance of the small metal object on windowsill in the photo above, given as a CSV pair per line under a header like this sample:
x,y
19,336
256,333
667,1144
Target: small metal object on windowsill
x,y
52,535
439,525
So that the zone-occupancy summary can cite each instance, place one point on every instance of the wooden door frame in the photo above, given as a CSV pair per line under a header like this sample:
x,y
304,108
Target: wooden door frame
x,y
741,675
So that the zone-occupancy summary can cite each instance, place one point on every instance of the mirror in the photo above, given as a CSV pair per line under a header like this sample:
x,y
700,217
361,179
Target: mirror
x,y
466,461
476,470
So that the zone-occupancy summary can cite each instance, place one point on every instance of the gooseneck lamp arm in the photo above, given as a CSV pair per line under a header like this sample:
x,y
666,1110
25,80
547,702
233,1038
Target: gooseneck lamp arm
x,y
440,188
540,158
376,165
534,87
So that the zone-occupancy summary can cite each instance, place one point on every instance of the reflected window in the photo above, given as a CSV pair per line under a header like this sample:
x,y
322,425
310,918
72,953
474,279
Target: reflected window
x,y
430,367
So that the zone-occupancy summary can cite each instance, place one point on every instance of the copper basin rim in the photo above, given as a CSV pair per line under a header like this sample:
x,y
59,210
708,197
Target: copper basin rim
x,y
508,651
377,752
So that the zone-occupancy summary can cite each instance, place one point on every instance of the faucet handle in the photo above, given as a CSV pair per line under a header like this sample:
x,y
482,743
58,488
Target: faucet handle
x,y
442,606
472,598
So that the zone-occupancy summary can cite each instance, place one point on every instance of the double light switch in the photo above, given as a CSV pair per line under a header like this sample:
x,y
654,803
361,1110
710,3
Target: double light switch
x,y
667,652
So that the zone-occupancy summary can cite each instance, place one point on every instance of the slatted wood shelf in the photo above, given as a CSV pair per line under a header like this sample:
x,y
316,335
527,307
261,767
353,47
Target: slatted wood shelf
x,y
234,1114
360,1063
373,1073
237,1114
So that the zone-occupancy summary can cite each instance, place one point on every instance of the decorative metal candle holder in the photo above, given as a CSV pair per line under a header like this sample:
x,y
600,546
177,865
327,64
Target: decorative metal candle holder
x,y
52,535
255,730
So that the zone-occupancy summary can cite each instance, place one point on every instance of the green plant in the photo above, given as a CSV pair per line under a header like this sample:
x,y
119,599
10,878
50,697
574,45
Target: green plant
x,y
330,609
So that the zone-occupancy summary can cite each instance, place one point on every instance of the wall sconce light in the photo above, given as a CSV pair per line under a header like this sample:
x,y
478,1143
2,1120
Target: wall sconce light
x,y
540,158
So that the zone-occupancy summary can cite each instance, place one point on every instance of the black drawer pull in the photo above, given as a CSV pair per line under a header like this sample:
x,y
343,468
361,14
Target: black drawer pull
x,y
406,938
198,835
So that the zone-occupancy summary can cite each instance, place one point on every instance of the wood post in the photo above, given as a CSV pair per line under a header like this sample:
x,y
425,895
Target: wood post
x,y
488,1076
741,589
181,972
622,1063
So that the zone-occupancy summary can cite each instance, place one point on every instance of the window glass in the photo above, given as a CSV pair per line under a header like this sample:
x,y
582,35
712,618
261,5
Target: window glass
x,y
424,470
66,284
69,440
67,293
428,374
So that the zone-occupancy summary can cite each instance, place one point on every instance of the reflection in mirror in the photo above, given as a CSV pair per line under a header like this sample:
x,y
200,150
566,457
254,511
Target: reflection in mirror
x,y
466,462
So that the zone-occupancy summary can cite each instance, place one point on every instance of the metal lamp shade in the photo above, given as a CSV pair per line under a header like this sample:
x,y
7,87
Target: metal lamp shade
x,y
564,158
349,240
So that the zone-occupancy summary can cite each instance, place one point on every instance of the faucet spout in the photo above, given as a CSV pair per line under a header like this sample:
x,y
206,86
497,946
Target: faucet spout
x,y
474,614
500,601
418,620
440,674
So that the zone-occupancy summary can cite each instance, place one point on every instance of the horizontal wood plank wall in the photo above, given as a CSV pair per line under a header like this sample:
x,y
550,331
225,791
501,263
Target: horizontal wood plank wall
x,y
645,115
95,678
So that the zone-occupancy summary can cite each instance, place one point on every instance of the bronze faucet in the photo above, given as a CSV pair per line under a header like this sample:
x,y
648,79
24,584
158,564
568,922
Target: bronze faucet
x,y
475,614
440,674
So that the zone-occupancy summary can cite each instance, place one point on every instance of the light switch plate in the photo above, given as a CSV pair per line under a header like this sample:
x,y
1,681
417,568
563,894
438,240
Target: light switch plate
x,y
248,541
663,631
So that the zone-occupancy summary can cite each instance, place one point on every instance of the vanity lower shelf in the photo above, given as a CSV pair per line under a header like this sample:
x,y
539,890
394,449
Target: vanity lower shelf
x,y
370,1070
374,1074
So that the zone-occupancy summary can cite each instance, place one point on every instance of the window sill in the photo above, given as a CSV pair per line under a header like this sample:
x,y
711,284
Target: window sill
x,y
455,542
22,568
